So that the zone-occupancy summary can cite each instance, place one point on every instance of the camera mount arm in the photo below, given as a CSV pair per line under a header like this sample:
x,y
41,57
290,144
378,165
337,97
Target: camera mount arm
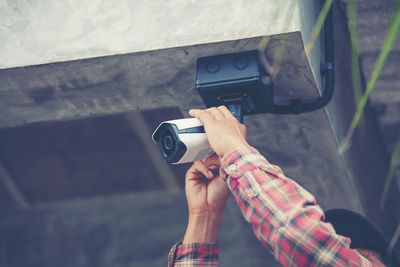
x,y
237,112
297,106
239,82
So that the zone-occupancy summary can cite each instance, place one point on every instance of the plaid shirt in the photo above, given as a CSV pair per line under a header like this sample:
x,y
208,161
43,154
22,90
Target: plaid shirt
x,y
284,216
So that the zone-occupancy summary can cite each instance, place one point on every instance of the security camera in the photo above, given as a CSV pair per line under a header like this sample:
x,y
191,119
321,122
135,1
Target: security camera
x,y
181,141
239,82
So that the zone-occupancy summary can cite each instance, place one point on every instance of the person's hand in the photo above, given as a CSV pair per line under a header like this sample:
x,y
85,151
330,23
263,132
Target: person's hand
x,y
206,191
207,194
224,132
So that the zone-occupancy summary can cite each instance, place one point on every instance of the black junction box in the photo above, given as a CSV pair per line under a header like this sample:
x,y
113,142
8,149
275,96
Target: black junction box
x,y
235,79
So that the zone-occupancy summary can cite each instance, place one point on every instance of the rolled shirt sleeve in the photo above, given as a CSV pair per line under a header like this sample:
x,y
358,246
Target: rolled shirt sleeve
x,y
194,255
284,216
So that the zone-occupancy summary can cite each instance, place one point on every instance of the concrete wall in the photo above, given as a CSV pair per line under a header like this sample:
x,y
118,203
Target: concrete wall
x,y
44,31
128,230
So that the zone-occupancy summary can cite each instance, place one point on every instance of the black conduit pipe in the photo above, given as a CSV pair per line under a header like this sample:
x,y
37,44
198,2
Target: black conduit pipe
x,y
298,106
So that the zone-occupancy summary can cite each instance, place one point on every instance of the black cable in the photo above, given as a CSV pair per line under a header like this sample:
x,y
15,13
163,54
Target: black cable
x,y
297,106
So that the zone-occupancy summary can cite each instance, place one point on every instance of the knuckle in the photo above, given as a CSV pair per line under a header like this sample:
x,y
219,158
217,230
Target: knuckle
x,y
204,115
194,166
197,163
243,128
222,107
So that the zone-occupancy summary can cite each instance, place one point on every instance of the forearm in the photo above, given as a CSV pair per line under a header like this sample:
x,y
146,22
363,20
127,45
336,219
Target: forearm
x,y
202,228
199,247
284,216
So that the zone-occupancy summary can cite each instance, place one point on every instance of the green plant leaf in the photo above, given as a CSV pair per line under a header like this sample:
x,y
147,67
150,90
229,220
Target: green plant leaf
x,y
394,239
318,25
273,68
392,170
356,70
387,46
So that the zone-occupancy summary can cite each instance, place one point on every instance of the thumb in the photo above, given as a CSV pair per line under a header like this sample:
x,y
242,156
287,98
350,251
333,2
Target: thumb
x,y
194,112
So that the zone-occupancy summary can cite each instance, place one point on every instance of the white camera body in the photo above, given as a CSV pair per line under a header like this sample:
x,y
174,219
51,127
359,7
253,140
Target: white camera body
x,y
181,141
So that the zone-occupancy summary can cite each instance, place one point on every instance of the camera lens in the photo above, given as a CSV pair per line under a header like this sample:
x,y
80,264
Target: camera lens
x,y
167,143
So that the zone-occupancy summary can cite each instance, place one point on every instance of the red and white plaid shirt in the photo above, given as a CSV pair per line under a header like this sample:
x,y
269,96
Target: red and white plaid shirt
x,y
285,218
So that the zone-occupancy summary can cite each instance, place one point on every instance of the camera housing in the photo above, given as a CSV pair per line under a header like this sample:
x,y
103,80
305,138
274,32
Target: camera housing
x,y
235,79
181,141
239,82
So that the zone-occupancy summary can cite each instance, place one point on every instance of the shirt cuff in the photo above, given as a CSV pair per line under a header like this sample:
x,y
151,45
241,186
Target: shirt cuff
x,y
194,253
242,160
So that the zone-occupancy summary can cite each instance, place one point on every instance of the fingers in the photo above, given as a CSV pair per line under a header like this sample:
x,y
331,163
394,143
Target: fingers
x,y
216,113
223,131
198,170
224,110
201,115
212,162
244,130
195,112
207,114
204,168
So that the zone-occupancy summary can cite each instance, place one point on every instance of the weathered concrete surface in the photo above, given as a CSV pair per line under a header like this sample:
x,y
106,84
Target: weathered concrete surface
x,y
373,20
108,85
44,31
90,158
366,160
79,89
52,162
128,230
373,23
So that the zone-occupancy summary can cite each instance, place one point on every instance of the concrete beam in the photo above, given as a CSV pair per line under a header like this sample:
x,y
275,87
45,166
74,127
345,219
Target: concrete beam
x,y
13,190
115,84
165,77
119,55
366,161
126,230
138,124
44,31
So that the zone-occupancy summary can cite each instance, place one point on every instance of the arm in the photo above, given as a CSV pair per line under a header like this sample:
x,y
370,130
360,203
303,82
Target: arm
x,y
206,194
284,216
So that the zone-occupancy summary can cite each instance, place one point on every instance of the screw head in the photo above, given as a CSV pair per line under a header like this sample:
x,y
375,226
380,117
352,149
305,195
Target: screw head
x,y
241,63
213,67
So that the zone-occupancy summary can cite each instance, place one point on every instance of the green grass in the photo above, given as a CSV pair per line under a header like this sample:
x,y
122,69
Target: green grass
x,y
386,48
392,170
394,239
274,68
318,25
355,63
361,100
360,96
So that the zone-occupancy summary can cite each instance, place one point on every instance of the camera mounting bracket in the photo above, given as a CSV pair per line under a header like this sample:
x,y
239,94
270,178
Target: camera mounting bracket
x,y
239,82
